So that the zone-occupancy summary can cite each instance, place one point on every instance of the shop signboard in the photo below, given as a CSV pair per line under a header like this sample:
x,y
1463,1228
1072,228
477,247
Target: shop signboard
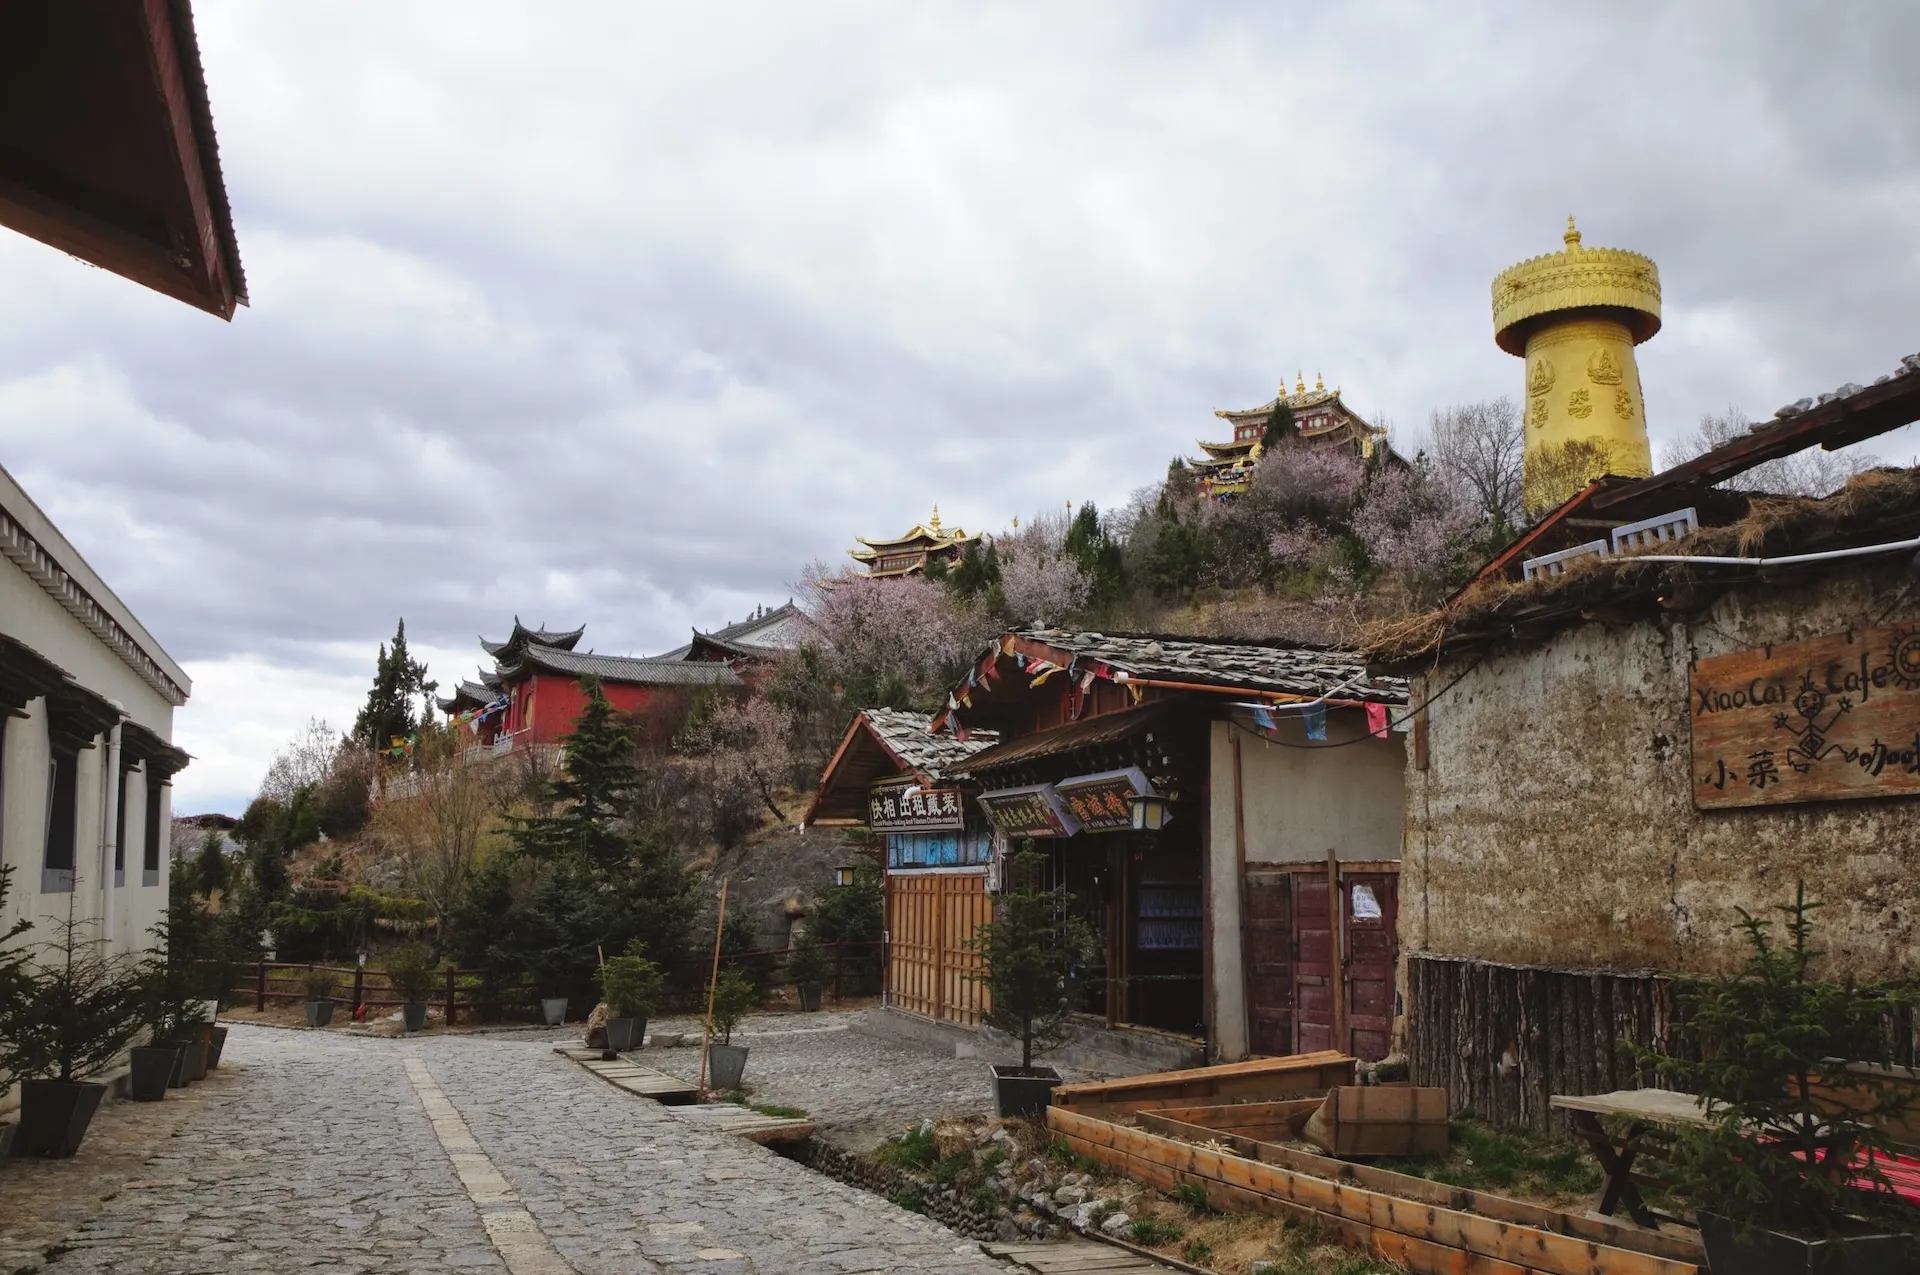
x,y
1032,811
1824,720
1103,802
906,807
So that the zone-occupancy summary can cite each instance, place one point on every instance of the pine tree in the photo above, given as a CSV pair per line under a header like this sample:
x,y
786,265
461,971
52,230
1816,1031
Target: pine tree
x,y
389,712
1031,950
1280,429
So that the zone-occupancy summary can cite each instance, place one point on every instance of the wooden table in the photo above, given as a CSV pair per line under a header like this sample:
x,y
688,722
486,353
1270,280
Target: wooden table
x,y
1650,1111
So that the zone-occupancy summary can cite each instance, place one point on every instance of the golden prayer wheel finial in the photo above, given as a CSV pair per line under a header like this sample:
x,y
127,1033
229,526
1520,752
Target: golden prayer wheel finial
x,y
1575,316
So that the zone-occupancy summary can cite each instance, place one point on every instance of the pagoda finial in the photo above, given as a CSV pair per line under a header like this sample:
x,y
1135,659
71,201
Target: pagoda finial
x,y
1318,384
933,523
1300,382
1572,237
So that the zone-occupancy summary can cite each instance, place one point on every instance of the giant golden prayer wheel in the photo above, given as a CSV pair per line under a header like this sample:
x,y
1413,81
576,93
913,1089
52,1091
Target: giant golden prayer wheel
x,y
1575,316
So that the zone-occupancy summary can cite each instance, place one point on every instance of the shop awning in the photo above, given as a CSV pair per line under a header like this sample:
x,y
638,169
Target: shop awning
x,y
1106,729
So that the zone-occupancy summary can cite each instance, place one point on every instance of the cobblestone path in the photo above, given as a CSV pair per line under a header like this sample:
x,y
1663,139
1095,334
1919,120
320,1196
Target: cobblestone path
x,y
457,1154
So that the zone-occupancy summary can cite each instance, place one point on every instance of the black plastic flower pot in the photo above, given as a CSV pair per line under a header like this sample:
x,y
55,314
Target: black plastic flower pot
x,y
151,1069
1756,1251
54,1116
319,1013
413,1016
178,1078
215,1044
726,1064
625,1033
809,998
1023,1091
6,1142
196,1060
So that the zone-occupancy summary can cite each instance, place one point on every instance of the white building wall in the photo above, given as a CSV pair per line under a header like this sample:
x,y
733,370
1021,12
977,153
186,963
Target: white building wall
x,y
1298,803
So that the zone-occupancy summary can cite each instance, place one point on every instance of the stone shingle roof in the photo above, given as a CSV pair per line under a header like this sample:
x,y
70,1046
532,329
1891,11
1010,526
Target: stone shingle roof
x,y
522,637
1288,668
906,736
622,668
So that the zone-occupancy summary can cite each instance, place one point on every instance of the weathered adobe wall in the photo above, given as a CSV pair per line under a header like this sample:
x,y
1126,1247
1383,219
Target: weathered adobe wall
x,y
1555,823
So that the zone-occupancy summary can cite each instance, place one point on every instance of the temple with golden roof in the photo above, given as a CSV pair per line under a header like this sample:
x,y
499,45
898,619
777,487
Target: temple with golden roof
x,y
911,553
1320,419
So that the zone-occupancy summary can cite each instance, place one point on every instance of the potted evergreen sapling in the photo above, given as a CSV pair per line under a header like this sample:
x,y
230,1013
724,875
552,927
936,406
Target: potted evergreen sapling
x,y
165,1008
15,1063
1030,950
807,969
1785,1175
411,974
632,985
321,985
733,996
81,1010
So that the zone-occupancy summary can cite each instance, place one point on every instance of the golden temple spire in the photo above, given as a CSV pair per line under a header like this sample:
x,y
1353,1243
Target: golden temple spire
x,y
1318,384
1299,382
933,523
1572,237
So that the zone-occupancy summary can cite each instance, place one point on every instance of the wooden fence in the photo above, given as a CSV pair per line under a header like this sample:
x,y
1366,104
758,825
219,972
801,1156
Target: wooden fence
x,y
1503,1039
930,968
484,993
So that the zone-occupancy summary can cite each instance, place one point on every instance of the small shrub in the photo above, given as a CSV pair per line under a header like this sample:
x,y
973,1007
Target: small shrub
x,y
914,1149
411,974
1194,1196
807,961
948,1168
1150,1231
733,996
1086,1164
319,984
1196,1251
1060,1151
1100,1213
632,983
910,1199
993,1160
985,1197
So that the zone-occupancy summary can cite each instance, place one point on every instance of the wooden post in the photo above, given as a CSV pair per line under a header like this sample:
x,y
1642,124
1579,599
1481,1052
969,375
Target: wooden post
x,y
359,987
450,986
1336,951
260,986
838,950
1240,891
713,984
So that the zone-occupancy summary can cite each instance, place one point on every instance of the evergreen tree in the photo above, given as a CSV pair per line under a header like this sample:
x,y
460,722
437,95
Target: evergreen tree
x,y
389,712
1031,950
1097,554
1281,429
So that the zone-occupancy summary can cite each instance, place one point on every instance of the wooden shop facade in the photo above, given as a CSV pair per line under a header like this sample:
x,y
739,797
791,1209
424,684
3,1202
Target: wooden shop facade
x,y
1186,793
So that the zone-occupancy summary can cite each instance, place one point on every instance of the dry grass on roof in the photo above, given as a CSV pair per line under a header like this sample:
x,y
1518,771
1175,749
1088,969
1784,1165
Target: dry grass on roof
x,y
1880,504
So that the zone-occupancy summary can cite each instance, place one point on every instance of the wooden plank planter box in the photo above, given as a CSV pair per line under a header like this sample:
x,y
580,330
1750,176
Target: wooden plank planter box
x,y
1295,1076
1428,1227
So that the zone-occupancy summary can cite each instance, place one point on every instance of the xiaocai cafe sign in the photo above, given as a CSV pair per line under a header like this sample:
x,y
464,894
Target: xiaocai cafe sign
x,y
1825,720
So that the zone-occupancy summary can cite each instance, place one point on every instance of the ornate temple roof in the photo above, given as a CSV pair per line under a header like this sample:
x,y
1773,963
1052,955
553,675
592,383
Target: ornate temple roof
x,y
924,538
465,695
536,657
766,634
564,640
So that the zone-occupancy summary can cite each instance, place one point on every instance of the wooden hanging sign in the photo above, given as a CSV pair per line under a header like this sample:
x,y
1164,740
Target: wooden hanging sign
x,y
1825,720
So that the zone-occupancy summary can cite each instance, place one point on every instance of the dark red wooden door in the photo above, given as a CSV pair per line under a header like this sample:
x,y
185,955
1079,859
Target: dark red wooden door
x,y
1269,963
1371,948
1313,970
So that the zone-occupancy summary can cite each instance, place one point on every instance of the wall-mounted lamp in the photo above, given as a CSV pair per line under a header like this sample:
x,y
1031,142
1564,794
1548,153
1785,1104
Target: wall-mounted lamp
x,y
1150,813
843,875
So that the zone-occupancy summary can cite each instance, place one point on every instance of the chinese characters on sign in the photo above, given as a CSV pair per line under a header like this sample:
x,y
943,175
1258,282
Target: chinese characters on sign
x,y
1825,720
908,808
1036,811
1100,802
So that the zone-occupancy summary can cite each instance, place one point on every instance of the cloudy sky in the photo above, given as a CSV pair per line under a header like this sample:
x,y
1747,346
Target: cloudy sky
x,y
620,314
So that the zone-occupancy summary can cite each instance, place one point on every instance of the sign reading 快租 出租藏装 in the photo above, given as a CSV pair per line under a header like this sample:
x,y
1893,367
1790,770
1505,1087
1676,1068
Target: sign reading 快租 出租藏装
x,y
909,807
1824,720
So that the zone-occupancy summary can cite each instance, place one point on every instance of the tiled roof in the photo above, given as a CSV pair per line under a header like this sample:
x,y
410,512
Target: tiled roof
x,y
622,668
563,639
906,736
472,692
1288,668
1086,733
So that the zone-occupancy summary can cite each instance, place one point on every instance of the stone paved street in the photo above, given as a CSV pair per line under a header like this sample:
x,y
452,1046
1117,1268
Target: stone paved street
x,y
319,1152
859,1087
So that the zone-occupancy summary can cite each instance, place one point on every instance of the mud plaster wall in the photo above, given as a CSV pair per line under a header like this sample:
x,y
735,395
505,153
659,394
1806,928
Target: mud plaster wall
x,y
1555,822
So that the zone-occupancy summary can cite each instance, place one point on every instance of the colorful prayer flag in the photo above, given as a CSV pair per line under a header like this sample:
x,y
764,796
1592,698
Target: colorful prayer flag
x,y
1263,718
1314,718
1377,720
